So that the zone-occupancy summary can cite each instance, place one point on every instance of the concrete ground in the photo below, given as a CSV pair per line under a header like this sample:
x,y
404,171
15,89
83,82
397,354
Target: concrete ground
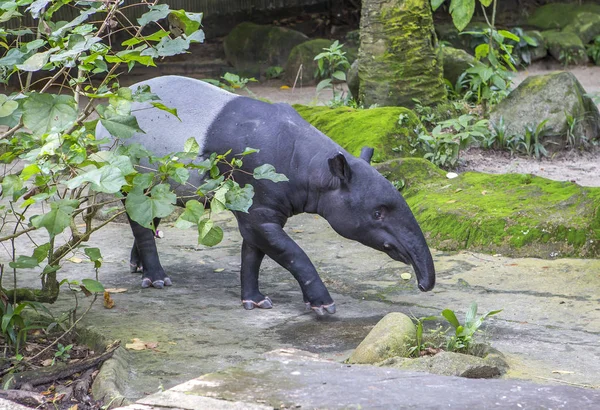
x,y
549,329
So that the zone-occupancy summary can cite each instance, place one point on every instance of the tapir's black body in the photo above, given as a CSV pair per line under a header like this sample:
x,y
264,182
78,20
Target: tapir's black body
x,y
356,200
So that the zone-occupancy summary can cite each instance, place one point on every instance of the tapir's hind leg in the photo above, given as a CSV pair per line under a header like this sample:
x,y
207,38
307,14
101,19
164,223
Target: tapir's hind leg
x,y
135,262
147,257
251,297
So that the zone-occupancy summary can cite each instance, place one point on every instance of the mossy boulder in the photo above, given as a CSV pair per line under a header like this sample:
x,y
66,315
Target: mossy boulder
x,y
304,54
565,46
389,130
351,44
352,80
586,25
456,61
399,58
541,50
252,48
549,97
517,215
392,336
559,15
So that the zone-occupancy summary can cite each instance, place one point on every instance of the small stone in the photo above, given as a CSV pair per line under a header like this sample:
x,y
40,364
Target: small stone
x,y
451,175
405,276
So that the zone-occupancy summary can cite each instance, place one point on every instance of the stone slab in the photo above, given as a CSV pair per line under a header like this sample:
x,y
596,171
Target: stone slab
x,y
290,378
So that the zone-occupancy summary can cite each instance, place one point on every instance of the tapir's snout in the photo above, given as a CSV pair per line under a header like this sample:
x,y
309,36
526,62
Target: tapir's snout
x,y
421,260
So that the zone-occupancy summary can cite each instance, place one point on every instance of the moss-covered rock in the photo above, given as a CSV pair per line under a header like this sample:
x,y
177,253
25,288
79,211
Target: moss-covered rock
x,y
565,46
304,54
586,25
559,15
456,61
549,97
387,129
352,80
399,58
251,48
541,50
392,336
351,44
514,214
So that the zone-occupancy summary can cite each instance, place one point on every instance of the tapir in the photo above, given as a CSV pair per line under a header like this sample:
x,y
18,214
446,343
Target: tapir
x,y
324,179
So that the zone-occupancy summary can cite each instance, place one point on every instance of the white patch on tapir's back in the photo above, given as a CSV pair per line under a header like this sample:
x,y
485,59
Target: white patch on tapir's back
x,y
198,104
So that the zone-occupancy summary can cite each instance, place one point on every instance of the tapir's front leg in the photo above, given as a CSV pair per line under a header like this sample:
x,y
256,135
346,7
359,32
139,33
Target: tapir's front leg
x,y
271,239
154,274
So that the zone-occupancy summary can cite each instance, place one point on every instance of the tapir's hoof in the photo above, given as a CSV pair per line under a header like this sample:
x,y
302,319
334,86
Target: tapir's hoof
x,y
157,284
168,282
263,304
320,310
146,283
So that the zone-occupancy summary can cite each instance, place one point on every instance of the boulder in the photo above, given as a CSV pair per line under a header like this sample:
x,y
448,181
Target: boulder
x,y
352,80
351,44
541,51
399,58
452,364
552,97
304,54
565,46
456,61
516,215
559,15
392,336
586,25
390,130
252,48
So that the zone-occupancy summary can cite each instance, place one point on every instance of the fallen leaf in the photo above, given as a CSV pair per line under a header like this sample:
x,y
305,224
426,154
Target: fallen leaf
x,y
152,345
405,275
116,290
284,87
74,407
451,201
451,175
458,190
298,230
75,259
109,303
138,344
562,372
47,362
218,270
483,192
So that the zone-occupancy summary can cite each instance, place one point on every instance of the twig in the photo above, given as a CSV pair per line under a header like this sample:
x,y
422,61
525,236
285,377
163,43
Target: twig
x,y
588,386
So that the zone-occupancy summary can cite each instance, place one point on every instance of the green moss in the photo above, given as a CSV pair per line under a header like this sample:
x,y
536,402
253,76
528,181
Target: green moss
x,y
513,214
558,15
377,127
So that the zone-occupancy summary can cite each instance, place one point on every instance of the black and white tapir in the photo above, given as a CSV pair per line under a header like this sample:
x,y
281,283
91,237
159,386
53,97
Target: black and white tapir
x,y
357,201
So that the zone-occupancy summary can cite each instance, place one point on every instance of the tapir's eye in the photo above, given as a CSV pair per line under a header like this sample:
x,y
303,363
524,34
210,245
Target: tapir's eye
x,y
377,214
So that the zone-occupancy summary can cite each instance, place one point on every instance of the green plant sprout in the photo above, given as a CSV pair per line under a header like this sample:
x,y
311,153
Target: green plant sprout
x,y
462,340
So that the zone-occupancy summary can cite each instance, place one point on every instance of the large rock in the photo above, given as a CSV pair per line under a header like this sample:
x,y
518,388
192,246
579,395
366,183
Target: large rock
x,y
565,46
252,48
304,54
551,97
516,215
399,58
391,337
456,62
559,15
586,25
541,50
390,130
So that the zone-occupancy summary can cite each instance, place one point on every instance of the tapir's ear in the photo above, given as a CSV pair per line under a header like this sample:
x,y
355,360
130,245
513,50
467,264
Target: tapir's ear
x,y
366,153
339,167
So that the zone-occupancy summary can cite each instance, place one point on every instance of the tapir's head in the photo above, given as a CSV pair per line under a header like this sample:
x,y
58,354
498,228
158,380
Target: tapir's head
x,y
360,204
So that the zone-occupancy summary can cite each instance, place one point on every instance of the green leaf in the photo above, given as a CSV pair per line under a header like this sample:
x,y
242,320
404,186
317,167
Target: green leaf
x,y
92,285
486,3
143,209
170,47
24,262
238,198
152,37
11,187
267,171
7,107
435,4
191,146
179,174
462,12
58,218
451,318
509,35
108,179
471,314
44,113
339,75
163,107
188,23
249,150
324,84
121,126
157,12
143,181
194,211
208,234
